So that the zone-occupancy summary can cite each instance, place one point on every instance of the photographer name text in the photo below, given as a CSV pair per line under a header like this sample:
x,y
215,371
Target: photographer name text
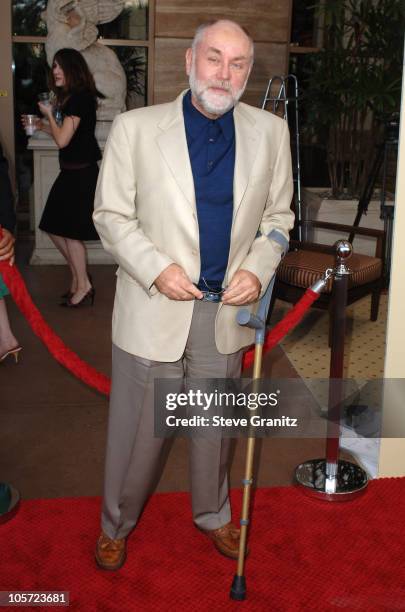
x,y
221,421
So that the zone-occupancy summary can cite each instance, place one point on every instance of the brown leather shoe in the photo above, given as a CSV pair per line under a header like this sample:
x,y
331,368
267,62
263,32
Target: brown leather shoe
x,y
110,554
226,540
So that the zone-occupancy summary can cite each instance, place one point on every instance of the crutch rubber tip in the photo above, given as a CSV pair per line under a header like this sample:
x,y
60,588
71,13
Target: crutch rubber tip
x,y
238,588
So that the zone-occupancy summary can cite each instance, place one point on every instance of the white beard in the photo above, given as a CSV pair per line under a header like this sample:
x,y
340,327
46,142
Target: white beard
x,y
214,103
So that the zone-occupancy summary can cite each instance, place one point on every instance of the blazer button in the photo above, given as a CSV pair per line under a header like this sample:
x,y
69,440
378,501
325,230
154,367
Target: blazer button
x,y
194,253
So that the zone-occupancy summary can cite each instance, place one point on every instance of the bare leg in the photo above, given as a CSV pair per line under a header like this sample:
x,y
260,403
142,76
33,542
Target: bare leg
x,y
77,255
7,339
61,245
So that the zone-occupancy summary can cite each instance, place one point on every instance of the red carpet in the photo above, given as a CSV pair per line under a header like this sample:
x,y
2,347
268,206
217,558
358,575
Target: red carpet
x,y
305,555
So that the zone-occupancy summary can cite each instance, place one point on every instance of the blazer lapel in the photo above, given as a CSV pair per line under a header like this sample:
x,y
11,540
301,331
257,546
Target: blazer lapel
x,y
172,143
247,143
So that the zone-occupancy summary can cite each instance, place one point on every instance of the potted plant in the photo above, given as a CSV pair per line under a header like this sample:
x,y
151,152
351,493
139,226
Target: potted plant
x,y
352,86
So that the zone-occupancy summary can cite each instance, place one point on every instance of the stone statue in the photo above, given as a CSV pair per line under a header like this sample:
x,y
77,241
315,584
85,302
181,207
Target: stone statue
x,y
72,23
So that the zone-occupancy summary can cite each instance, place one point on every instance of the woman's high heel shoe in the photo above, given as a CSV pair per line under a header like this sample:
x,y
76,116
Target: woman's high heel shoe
x,y
15,352
68,294
87,299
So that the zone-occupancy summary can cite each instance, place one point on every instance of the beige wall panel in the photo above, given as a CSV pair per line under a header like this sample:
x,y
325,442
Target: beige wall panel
x,y
392,453
270,59
266,20
170,76
170,73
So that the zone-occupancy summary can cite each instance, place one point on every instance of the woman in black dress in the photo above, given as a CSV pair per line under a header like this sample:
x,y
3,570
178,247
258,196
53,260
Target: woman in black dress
x,y
67,216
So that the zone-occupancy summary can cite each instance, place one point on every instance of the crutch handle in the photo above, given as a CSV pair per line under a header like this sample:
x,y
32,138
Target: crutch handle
x,y
257,321
247,319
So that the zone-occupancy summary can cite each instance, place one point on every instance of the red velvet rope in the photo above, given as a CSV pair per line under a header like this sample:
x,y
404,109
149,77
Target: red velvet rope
x,y
291,319
53,343
90,375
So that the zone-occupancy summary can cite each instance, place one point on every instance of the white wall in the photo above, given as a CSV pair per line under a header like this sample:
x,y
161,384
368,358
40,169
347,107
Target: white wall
x,y
392,453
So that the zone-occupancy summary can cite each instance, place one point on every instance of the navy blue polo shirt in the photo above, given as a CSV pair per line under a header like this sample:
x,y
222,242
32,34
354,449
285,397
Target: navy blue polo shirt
x,y
211,147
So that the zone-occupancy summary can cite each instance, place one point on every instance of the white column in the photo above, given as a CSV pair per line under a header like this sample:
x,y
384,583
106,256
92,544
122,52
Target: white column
x,y
392,453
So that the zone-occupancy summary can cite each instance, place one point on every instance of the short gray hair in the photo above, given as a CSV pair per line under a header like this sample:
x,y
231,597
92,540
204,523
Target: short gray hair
x,y
199,33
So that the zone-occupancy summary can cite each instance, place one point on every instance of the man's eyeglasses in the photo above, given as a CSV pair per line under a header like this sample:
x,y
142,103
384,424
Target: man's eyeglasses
x,y
212,294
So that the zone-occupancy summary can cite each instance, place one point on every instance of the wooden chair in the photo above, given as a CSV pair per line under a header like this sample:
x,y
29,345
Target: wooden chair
x,y
307,261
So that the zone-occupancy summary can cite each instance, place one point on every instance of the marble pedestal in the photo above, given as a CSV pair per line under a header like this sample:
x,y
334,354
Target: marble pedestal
x,y
46,169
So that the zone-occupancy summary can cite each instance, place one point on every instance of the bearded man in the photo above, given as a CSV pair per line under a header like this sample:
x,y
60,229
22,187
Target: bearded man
x,y
193,201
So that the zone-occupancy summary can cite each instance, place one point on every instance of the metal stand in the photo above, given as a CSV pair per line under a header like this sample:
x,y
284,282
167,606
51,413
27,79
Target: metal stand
x,y
387,210
332,479
387,214
9,502
387,148
279,106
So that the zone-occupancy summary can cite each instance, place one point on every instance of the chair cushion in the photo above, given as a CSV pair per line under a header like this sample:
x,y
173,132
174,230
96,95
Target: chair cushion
x,y
302,268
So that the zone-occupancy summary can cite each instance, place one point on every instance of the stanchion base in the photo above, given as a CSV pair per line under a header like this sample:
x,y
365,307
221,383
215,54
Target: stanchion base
x,y
350,481
9,502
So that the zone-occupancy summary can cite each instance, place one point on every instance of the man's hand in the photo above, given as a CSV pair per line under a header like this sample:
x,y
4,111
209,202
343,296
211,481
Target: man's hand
x,y
6,245
244,288
174,283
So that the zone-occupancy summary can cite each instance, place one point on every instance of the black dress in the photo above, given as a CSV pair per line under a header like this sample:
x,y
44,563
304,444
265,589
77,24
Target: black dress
x,y
69,207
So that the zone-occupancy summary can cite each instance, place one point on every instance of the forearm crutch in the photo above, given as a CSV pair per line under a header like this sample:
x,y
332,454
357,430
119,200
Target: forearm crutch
x,y
257,322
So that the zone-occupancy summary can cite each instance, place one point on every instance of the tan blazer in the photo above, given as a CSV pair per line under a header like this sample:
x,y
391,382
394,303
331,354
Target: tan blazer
x,y
145,213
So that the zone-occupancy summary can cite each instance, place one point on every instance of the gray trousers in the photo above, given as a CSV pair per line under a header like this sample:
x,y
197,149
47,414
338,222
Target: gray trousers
x,y
134,453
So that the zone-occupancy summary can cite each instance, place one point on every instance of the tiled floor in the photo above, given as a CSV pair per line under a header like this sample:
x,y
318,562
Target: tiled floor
x,y
364,344
53,428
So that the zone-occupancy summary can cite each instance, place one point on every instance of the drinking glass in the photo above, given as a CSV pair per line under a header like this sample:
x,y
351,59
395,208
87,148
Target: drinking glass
x,y
44,98
30,124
